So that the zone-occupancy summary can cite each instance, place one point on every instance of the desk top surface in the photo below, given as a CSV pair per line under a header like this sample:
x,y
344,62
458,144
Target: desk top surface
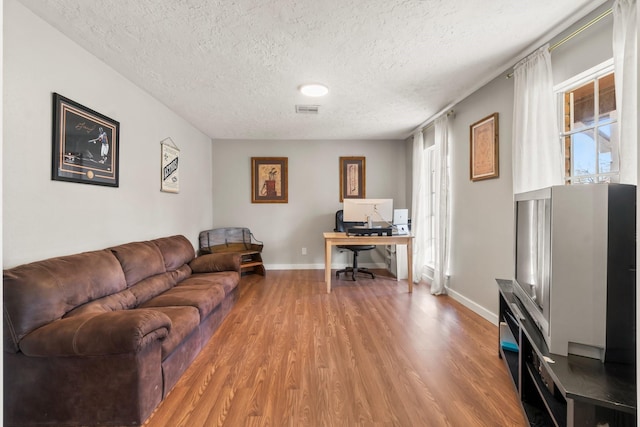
x,y
332,235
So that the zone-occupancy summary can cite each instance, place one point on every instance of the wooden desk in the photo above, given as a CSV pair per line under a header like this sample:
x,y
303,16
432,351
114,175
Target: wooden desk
x,y
333,239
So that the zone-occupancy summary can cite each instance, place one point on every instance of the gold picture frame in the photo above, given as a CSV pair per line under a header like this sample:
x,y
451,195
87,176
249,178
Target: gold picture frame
x,y
352,178
484,153
269,180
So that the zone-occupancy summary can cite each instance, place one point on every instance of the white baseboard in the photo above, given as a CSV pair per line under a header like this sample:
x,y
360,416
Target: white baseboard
x,y
478,309
318,266
294,267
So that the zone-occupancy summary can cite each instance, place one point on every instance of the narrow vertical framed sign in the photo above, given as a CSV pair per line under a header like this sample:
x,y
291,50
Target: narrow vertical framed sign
x,y
170,178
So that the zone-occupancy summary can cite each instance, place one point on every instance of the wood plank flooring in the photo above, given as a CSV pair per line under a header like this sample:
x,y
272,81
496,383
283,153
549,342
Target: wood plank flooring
x,y
368,354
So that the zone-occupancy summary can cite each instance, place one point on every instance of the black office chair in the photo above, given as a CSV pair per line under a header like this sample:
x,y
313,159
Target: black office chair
x,y
342,226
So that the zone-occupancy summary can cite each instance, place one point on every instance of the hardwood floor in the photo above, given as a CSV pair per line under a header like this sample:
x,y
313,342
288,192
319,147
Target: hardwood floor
x,y
368,354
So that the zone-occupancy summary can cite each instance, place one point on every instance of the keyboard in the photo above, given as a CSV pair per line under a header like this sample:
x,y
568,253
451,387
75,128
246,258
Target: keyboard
x,y
363,231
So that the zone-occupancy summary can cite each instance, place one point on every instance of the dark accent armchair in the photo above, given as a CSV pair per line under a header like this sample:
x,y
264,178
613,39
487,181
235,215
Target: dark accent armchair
x,y
342,226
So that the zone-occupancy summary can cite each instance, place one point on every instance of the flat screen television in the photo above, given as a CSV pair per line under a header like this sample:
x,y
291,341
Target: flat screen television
x,y
533,252
575,249
368,211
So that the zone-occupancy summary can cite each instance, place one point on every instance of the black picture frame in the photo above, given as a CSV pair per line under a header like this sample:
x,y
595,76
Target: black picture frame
x,y
86,145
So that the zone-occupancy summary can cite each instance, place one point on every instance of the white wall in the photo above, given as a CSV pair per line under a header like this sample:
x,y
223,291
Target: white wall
x,y
44,218
482,211
589,48
314,193
482,219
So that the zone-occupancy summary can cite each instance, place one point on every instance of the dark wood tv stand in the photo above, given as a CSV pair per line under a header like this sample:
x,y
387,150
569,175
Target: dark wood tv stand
x,y
557,390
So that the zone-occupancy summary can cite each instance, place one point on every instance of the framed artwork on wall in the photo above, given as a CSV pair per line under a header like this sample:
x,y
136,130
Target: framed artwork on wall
x,y
86,144
352,178
484,160
170,154
269,180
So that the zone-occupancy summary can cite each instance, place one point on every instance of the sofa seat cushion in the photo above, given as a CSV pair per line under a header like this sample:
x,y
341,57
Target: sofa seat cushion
x,y
227,279
204,298
184,320
98,334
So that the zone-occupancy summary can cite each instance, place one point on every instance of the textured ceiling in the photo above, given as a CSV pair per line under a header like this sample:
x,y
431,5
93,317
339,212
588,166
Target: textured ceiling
x,y
232,67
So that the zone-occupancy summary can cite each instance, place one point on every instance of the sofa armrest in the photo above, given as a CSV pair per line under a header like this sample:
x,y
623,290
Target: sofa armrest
x,y
211,263
91,334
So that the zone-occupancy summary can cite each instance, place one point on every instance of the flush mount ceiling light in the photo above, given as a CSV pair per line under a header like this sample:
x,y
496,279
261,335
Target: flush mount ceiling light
x,y
313,89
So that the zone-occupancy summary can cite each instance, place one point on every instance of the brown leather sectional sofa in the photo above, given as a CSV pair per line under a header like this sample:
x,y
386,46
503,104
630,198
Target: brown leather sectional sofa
x,y
100,338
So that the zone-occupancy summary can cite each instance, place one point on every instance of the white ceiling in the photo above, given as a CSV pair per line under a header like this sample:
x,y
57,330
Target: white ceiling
x,y
232,67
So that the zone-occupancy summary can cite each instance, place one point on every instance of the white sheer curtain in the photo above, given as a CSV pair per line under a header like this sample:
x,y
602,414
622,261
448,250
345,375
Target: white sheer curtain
x,y
442,204
418,207
537,152
625,62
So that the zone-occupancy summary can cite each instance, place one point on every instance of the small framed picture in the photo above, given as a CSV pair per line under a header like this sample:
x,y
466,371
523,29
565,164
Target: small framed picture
x,y
352,178
484,162
85,144
269,180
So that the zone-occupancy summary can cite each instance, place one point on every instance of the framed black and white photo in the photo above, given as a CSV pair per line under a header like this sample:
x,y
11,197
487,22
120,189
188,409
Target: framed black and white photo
x,y
86,144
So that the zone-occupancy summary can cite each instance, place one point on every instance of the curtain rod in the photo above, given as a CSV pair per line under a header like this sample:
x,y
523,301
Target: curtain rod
x,y
576,32
433,122
581,29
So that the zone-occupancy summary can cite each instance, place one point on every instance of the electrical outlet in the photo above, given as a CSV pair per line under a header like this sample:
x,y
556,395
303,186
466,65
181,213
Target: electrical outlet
x,y
304,251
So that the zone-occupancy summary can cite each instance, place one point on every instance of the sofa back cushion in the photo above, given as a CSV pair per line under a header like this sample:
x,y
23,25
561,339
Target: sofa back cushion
x,y
139,260
150,287
176,251
40,292
123,300
131,297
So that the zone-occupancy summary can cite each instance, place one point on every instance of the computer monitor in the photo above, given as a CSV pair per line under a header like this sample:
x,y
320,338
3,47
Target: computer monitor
x,y
368,211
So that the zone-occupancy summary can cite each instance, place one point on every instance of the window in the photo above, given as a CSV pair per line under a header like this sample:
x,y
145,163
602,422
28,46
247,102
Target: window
x,y
589,127
430,164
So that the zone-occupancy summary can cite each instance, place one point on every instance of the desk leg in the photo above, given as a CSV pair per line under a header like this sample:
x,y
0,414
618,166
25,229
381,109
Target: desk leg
x,y
327,264
410,264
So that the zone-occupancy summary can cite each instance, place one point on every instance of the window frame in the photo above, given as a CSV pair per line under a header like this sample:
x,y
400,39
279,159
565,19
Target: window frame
x,y
593,74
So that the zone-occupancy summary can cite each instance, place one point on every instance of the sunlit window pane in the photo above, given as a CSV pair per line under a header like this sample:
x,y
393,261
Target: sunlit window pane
x,y
582,106
606,146
583,153
607,98
430,209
